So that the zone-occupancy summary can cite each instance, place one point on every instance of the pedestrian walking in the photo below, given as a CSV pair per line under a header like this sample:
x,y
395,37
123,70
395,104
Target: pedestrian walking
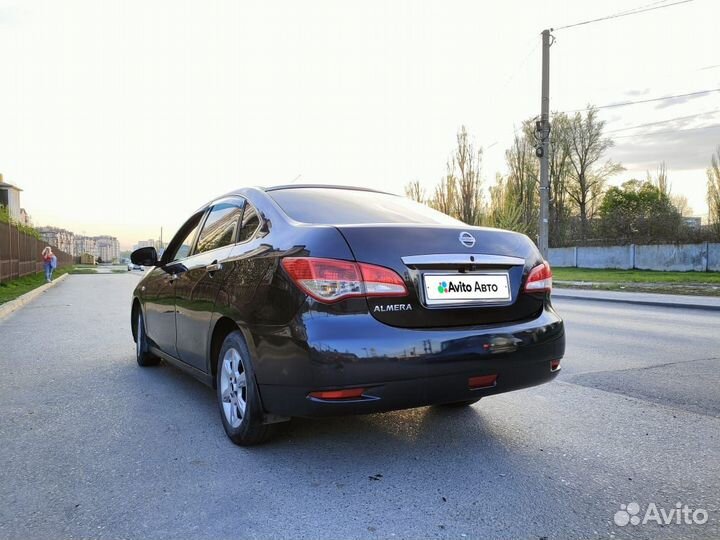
x,y
50,262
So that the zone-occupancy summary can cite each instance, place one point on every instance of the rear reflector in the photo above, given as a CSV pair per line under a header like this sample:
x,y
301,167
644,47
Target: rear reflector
x,y
483,381
338,394
539,279
331,280
554,365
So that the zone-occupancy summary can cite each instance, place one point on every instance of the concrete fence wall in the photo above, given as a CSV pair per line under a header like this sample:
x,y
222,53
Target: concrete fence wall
x,y
703,257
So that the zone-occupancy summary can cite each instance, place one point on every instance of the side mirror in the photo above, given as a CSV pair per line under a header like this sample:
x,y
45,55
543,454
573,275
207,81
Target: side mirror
x,y
146,256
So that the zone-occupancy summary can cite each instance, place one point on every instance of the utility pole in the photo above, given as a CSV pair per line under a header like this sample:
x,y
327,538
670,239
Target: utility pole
x,y
543,149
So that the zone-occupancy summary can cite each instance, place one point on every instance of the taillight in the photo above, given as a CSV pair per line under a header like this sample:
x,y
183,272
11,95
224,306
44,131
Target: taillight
x,y
539,279
331,280
351,393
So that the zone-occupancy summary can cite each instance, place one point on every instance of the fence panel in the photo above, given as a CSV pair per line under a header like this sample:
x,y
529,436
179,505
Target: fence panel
x,y
21,254
678,257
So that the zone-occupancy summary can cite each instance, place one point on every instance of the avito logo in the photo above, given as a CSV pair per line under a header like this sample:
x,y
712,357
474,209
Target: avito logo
x,y
462,287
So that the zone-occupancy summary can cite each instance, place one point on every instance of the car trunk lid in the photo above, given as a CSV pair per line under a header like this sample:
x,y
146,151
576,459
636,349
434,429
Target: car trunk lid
x,y
480,272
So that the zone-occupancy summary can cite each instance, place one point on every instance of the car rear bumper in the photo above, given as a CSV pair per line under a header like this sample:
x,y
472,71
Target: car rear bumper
x,y
399,368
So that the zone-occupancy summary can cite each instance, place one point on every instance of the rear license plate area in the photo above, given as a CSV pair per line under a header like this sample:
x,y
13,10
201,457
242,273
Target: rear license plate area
x,y
466,289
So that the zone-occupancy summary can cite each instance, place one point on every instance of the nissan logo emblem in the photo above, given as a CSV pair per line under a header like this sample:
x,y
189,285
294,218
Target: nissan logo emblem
x,y
467,239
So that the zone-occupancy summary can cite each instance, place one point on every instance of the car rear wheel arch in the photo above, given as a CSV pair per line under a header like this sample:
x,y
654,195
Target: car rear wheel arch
x,y
134,313
223,326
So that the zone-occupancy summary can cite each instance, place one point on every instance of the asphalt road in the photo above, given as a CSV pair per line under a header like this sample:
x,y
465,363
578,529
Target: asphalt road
x,y
91,445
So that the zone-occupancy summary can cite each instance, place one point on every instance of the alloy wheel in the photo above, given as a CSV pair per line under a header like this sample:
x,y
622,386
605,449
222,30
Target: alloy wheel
x,y
233,387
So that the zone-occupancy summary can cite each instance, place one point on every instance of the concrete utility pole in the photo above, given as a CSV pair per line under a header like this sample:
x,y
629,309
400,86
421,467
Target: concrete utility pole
x,y
543,148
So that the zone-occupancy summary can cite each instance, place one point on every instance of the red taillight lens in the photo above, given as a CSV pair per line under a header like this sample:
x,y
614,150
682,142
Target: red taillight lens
x,y
381,281
330,280
539,279
482,381
351,393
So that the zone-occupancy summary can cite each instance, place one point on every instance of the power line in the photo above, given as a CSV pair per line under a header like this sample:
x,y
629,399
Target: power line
x,y
515,72
623,14
626,103
653,133
664,121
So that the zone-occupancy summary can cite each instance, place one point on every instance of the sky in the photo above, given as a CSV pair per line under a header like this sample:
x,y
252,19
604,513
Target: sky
x,y
121,117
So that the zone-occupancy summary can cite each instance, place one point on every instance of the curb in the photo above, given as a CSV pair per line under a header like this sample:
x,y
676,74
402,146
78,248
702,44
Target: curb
x,y
8,307
641,302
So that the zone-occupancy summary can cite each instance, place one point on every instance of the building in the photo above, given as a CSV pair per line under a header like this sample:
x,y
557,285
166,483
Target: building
x,y
144,243
692,222
60,238
25,218
107,248
86,258
10,199
104,247
157,244
84,245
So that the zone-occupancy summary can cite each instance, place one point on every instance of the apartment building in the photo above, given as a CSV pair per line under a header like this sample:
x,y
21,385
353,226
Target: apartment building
x,y
62,239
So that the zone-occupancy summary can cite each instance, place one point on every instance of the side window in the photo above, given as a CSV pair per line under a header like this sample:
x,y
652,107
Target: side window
x,y
220,226
184,247
250,223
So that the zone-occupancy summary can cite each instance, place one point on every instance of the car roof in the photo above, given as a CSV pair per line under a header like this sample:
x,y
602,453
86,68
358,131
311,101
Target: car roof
x,y
243,192
323,186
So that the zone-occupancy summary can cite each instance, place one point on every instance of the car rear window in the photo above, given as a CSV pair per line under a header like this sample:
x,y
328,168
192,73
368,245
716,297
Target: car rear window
x,y
328,206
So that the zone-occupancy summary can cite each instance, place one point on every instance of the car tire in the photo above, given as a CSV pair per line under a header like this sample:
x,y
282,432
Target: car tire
x,y
464,403
238,395
142,355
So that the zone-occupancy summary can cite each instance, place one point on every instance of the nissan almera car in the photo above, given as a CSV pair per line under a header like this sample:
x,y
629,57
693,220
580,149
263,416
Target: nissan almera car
x,y
319,300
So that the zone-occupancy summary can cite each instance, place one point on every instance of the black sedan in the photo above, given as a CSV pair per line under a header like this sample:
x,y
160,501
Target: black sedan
x,y
321,300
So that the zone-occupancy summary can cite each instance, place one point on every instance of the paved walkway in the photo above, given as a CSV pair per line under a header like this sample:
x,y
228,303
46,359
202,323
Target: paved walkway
x,y
648,299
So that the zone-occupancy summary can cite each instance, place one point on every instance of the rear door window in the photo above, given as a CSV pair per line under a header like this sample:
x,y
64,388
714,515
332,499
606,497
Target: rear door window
x,y
220,227
250,223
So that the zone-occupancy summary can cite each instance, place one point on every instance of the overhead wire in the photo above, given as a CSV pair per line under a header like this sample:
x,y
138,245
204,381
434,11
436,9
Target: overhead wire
x,y
625,13
639,101
664,121
653,133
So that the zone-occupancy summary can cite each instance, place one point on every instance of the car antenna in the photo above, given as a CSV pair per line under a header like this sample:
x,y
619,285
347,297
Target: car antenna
x,y
296,178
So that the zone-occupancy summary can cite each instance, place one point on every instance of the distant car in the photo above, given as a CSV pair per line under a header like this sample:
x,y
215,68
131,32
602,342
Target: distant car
x,y
132,266
318,301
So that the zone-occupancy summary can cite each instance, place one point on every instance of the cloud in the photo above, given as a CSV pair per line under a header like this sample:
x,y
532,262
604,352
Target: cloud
x,y
679,101
638,93
688,149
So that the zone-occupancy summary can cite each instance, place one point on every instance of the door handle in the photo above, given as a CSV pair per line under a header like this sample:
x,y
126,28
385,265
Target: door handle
x,y
214,267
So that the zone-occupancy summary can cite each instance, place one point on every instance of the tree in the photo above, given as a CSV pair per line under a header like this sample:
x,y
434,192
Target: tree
x,y
638,212
503,212
679,201
587,177
415,192
522,180
713,192
467,167
560,207
661,179
445,198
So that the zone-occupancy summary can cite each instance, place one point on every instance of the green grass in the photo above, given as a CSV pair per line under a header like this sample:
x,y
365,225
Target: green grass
x,y
83,270
10,290
633,276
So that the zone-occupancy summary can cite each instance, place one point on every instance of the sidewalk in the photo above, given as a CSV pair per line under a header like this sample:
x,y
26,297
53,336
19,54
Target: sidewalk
x,y
647,299
13,305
